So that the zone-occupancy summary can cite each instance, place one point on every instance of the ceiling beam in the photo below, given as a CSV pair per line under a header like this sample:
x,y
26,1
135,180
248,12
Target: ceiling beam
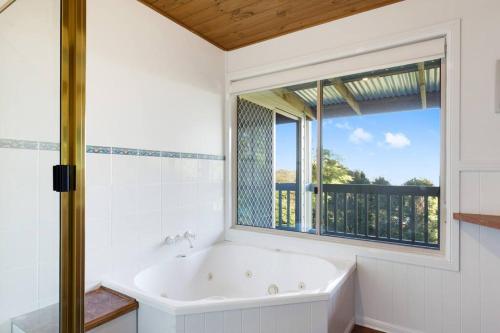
x,y
295,101
421,84
347,95
281,99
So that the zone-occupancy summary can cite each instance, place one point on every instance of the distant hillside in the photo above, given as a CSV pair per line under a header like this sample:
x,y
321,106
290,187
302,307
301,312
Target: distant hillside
x,y
285,176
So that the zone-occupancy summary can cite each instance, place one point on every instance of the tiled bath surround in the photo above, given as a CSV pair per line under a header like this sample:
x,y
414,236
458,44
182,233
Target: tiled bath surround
x,y
135,198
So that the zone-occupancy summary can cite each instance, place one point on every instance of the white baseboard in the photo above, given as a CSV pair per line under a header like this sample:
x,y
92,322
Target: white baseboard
x,y
383,326
350,326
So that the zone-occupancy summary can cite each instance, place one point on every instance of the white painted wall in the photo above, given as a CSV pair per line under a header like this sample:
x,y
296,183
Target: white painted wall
x,y
400,297
151,84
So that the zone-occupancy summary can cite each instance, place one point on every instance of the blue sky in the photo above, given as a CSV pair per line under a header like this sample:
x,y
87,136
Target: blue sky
x,y
395,145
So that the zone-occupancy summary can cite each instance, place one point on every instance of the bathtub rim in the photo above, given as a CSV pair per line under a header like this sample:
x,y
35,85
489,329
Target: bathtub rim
x,y
176,307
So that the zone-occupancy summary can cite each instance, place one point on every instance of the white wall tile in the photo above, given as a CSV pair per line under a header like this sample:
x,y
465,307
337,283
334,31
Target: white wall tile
x,y
19,190
19,292
48,283
18,249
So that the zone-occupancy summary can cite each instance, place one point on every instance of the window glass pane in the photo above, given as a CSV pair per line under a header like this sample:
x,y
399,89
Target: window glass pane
x,y
381,139
381,135
276,140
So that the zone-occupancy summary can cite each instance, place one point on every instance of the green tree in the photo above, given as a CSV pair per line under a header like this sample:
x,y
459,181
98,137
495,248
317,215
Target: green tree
x,y
418,182
358,177
334,172
381,181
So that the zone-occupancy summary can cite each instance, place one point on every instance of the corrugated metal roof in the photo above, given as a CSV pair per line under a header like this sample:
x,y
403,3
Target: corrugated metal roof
x,y
377,87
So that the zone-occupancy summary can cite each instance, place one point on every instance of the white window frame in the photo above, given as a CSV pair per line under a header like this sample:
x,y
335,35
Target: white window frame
x,y
448,256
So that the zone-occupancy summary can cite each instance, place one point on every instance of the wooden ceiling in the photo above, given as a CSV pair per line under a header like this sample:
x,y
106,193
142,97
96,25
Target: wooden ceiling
x,y
230,24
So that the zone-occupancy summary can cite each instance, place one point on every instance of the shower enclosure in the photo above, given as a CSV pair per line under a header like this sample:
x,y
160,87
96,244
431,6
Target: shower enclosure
x,y
41,164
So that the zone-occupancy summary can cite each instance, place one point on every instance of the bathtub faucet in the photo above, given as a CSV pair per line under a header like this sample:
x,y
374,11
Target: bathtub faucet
x,y
188,235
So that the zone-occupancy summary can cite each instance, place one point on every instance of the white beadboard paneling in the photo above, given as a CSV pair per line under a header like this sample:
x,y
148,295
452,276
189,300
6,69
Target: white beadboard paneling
x,y
416,297
195,323
250,320
365,291
400,294
469,254
214,322
152,320
451,301
383,285
470,277
268,322
433,300
232,321
293,318
489,260
319,317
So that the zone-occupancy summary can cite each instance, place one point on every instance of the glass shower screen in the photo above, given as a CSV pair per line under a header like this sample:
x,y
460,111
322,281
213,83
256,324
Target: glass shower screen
x,y
29,147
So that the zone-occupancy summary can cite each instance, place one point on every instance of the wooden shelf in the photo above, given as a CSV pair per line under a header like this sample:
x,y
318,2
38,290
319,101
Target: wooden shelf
x,y
491,221
103,305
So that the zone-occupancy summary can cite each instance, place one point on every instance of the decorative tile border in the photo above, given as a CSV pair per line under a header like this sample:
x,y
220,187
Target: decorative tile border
x,y
124,151
18,144
152,153
98,150
49,146
52,146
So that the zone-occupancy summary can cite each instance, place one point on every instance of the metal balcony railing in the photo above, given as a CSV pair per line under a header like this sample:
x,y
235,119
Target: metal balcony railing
x,y
407,215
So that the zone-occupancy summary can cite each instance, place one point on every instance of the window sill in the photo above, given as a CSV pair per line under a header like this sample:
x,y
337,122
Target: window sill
x,y
341,247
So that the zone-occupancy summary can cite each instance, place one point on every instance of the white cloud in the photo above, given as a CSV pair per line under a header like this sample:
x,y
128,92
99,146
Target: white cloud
x,y
359,135
397,140
345,125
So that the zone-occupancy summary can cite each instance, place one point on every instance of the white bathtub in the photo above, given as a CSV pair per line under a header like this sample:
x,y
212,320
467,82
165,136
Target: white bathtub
x,y
233,288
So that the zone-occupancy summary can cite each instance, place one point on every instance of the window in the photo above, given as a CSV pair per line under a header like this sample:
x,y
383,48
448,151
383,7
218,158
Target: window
x,y
377,137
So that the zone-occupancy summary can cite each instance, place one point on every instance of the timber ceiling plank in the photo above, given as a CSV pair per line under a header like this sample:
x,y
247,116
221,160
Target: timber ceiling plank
x,y
230,24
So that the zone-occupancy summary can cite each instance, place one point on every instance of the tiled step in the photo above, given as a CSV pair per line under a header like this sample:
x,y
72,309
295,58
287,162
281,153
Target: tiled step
x,y
102,305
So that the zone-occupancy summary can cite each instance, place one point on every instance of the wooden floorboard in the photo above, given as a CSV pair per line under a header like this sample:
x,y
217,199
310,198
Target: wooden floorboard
x,y
361,329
